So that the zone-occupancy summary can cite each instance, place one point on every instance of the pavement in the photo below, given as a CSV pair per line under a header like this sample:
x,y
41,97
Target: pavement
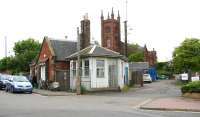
x,y
52,93
173,104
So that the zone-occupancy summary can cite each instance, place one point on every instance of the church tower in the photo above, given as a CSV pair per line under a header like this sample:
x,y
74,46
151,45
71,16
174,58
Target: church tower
x,y
110,32
85,32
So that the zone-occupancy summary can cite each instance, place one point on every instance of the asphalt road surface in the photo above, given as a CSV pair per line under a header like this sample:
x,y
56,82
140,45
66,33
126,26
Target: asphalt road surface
x,y
91,105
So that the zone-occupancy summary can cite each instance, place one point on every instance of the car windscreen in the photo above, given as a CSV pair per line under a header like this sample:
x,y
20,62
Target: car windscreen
x,y
2,77
20,79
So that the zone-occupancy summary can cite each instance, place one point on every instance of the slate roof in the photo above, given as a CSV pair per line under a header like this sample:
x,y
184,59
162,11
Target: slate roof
x,y
62,48
138,66
96,51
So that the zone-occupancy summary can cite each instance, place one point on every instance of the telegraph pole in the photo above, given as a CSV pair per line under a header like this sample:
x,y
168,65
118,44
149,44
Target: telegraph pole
x,y
78,80
125,36
6,53
125,31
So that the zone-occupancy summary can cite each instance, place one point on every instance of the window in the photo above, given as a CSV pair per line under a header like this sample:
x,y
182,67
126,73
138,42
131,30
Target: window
x,y
86,69
108,43
43,73
74,68
100,68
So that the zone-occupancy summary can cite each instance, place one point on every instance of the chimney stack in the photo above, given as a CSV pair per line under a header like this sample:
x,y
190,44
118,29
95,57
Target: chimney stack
x,y
85,32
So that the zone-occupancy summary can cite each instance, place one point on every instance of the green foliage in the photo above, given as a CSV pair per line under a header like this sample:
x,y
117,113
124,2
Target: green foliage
x,y
180,83
125,88
83,90
164,68
191,87
187,56
135,53
25,52
8,63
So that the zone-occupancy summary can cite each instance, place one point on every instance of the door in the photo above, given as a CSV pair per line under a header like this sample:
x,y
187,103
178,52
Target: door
x,y
126,75
112,76
63,77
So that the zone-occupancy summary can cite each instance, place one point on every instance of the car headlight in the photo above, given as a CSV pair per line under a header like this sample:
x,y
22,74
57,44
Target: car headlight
x,y
29,86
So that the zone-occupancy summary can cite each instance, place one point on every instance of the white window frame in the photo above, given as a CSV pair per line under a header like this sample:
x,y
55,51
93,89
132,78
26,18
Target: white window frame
x,y
86,68
74,68
101,69
43,73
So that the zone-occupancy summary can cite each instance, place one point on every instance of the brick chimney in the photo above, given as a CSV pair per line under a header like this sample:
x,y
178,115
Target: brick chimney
x,y
85,32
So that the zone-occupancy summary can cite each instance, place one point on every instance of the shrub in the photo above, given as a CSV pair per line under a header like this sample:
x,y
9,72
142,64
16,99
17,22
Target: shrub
x,y
125,88
83,90
191,87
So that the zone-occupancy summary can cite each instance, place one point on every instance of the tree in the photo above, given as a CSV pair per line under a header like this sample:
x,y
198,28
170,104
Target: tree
x,y
7,63
164,68
25,52
187,56
135,53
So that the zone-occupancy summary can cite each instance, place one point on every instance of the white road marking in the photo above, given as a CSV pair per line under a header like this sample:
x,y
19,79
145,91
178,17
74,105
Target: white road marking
x,y
143,103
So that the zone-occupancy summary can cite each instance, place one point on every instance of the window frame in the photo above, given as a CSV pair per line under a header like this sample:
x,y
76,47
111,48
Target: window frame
x,y
86,68
100,70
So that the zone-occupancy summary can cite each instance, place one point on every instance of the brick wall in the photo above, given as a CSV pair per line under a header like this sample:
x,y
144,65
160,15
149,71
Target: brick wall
x,y
52,64
44,54
110,33
150,56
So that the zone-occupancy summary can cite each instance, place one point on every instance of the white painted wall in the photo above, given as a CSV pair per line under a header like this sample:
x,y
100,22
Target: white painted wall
x,y
99,82
85,80
93,81
122,65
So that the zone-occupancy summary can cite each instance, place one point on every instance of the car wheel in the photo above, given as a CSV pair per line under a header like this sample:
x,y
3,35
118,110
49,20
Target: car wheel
x,y
12,90
6,89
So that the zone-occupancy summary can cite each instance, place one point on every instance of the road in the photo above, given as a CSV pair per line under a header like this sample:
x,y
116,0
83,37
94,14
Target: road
x,y
98,104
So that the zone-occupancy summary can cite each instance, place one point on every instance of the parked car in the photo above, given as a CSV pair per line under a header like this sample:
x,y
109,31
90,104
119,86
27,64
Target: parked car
x,y
18,84
3,81
147,78
163,77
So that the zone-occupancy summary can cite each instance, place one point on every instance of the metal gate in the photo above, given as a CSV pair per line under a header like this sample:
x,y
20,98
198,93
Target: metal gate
x,y
112,76
63,77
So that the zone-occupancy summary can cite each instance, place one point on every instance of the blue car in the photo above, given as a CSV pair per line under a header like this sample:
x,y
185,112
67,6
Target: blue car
x,y
3,81
19,84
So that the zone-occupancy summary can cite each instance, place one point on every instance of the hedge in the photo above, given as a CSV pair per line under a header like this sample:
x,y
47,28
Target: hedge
x,y
192,87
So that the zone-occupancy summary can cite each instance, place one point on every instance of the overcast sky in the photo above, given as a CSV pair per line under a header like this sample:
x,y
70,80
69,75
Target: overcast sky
x,y
160,24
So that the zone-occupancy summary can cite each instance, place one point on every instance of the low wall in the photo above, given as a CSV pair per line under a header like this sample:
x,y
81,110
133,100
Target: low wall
x,y
192,95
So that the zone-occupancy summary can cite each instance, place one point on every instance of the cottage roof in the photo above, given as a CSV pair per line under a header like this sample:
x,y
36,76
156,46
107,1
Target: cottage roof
x,y
138,66
96,51
62,48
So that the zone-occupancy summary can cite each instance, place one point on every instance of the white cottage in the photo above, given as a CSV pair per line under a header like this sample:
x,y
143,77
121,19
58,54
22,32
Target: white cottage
x,y
101,68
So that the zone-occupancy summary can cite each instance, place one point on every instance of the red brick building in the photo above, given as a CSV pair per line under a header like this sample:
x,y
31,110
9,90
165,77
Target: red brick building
x,y
51,65
110,32
150,56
